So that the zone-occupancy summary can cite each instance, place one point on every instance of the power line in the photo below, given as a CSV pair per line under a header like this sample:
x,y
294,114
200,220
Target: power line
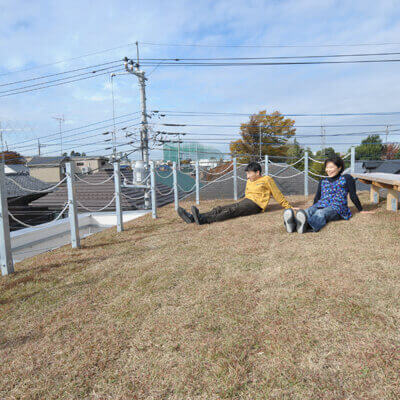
x,y
60,73
61,83
267,45
293,136
65,80
85,126
248,64
68,59
80,145
69,136
201,113
178,59
223,141
271,126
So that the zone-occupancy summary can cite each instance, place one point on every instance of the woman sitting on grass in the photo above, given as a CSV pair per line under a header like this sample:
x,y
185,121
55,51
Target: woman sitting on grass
x,y
330,201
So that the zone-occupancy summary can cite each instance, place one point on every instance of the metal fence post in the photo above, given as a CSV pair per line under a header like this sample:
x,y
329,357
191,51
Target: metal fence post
x,y
175,183
7,265
235,195
118,208
306,173
353,160
72,208
197,184
266,165
153,190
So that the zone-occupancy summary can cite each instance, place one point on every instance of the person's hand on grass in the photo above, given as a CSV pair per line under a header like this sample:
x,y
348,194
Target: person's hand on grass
x,y
368,212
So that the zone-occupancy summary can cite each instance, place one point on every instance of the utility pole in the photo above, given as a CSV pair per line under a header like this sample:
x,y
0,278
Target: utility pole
x,y
137,53
323,141
387,133
60,121
179,141
114,139
260,142
2,144
179,151
133,68
38,145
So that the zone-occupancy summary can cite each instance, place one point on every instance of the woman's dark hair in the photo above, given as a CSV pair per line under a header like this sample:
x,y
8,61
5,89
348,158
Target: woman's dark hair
x,y
337,161
253,166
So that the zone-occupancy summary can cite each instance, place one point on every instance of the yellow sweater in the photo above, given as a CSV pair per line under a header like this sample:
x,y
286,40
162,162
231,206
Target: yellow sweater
x,y
260,192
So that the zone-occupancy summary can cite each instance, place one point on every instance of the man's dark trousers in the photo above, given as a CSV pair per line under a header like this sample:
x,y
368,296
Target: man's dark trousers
x,y
240,209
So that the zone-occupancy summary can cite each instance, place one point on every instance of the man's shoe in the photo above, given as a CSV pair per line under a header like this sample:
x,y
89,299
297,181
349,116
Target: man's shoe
x,y
289,220
301,221
187,217
197,216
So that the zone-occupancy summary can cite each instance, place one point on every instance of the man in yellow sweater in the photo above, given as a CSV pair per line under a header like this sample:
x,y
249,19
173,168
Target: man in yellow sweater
x,y
258,192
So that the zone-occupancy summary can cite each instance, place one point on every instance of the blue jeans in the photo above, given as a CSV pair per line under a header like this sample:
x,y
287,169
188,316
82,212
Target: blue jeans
x,y
318,217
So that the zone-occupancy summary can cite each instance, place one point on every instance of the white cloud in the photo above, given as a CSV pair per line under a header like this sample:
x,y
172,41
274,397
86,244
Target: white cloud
x,y
35,34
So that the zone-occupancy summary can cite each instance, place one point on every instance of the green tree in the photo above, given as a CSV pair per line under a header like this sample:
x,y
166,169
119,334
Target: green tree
x,y
274,130
294,153
370,148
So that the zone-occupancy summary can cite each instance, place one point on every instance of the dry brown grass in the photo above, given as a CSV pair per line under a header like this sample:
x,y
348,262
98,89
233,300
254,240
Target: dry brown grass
x,y
239,309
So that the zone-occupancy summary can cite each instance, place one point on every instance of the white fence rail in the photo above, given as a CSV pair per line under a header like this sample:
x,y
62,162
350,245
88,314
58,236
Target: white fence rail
x,y
148,185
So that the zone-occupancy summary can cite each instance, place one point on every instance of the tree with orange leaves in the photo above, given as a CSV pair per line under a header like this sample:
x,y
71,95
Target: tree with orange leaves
x,y
12,157
272,130
391,151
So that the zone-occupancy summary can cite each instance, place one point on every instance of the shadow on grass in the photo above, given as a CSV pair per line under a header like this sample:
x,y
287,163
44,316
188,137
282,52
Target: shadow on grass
x,y
16,299
103,244
26,296
160,234
16,341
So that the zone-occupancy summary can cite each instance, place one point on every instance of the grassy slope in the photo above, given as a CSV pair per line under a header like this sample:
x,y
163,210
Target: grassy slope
x,y
238,309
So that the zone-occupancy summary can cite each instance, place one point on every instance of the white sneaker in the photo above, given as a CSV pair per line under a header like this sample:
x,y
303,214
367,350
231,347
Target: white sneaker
x,y
301,219
289,220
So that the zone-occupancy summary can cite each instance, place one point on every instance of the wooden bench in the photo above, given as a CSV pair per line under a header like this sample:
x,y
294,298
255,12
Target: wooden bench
x,y
391,182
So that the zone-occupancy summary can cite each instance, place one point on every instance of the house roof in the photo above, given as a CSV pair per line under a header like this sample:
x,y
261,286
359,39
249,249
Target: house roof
x,y
14,181
88,158
387,166
46,161
97,196
16,168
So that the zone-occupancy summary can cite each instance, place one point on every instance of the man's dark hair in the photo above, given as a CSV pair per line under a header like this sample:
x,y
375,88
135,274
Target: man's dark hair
x,y
253,166
337,161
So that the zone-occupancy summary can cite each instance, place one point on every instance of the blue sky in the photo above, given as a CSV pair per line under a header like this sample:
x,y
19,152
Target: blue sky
x,y
45,32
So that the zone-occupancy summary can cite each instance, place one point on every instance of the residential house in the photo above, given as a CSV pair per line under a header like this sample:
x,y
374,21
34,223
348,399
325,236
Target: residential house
x,y
86,164
47,169
95,191
20,191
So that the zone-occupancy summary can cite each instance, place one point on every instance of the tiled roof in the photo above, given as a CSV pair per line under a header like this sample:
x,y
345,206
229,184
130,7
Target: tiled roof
x,y
24,180
38,160
16,169
387,166
97,196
